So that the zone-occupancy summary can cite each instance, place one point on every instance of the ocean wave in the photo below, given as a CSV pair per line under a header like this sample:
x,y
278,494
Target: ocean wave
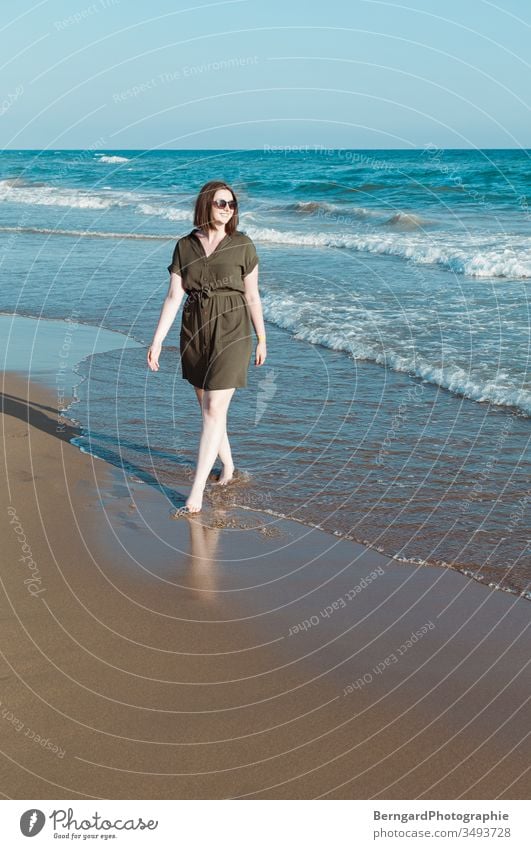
x,y
45,195
498,257
398,221
311,207
111,160
289,316
18,181
494,262
407,221
94,234
20,191
172,213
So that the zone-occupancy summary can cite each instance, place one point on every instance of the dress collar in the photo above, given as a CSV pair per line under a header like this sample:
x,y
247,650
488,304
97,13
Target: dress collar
x,y
200,245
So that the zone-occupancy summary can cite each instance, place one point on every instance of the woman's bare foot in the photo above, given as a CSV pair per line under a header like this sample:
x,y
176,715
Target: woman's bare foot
x,y
225,476
194,501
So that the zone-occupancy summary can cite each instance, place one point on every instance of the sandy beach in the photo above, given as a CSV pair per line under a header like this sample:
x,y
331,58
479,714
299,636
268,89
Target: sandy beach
x,y
328,209
234,655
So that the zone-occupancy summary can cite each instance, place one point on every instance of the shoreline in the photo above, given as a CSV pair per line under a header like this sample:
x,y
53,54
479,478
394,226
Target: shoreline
x,y
238,658
91,338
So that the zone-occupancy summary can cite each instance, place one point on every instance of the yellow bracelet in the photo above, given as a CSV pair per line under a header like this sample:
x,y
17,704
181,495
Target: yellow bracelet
x,y
261,338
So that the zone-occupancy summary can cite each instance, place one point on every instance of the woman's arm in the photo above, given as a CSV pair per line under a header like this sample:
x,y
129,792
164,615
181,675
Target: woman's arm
x,y
252,296
170,307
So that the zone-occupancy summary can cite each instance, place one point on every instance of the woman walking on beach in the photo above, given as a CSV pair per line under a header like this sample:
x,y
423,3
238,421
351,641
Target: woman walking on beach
x,y
216,266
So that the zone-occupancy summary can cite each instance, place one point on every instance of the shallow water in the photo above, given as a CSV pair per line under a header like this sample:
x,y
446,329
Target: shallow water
x,y
395,403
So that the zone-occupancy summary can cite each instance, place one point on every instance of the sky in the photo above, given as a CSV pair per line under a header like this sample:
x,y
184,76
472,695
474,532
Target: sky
x,y
243,74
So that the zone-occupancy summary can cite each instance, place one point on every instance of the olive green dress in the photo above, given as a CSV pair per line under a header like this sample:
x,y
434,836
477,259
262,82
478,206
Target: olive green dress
x,y
216,331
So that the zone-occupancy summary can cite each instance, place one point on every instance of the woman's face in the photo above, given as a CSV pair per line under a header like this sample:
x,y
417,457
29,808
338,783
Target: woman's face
x,y
221,216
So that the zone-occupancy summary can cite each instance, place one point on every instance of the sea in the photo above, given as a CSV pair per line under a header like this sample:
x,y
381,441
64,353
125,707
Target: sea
x,y
394,407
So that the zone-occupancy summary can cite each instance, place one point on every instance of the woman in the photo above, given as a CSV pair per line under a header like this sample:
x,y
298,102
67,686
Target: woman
x,y
217,267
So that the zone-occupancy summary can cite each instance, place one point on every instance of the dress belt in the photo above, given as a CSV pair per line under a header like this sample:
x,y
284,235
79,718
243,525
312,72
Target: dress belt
x,y
197,295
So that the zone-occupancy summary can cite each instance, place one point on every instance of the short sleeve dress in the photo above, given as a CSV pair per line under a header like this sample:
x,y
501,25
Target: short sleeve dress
x,y
216,332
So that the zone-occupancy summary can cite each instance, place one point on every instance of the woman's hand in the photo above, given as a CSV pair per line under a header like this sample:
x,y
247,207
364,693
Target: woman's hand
x,y
261,353
153,356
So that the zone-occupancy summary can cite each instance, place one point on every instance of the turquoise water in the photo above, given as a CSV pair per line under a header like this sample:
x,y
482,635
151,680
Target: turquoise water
x,y
395,403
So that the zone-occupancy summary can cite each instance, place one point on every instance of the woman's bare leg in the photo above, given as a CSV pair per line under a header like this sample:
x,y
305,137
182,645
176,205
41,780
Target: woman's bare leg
x,y
224,452
215,407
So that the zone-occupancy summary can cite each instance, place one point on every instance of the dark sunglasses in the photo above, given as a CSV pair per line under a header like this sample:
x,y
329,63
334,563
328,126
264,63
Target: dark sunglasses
x,y
221,204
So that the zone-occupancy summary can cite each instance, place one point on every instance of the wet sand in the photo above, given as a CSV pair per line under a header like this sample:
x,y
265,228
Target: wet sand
x,y
234,655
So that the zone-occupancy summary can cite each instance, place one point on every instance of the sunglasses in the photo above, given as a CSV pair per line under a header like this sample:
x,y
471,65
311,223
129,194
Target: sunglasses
x,y
221,204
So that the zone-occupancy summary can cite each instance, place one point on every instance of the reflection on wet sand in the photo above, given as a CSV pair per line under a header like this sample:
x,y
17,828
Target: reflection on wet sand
x,y
200,563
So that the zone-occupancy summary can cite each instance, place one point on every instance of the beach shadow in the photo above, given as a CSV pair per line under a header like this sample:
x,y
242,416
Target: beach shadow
x,y
36,415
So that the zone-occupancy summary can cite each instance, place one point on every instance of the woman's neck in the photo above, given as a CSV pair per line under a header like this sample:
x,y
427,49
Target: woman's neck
x,y
215,235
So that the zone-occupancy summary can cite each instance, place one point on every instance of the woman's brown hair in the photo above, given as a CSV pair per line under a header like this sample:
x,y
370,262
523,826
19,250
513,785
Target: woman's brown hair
x,y
203,207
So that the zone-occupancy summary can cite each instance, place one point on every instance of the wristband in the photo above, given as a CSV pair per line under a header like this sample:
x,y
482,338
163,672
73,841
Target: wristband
x,y
261,338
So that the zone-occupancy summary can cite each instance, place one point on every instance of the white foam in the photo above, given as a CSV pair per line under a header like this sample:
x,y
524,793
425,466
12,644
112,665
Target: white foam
x,y
414,561
172,213
54,196
95,234
347,336
17,192
111,160
504,260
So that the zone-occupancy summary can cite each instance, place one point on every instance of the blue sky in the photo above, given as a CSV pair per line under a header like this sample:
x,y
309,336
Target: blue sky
x,y
130,74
